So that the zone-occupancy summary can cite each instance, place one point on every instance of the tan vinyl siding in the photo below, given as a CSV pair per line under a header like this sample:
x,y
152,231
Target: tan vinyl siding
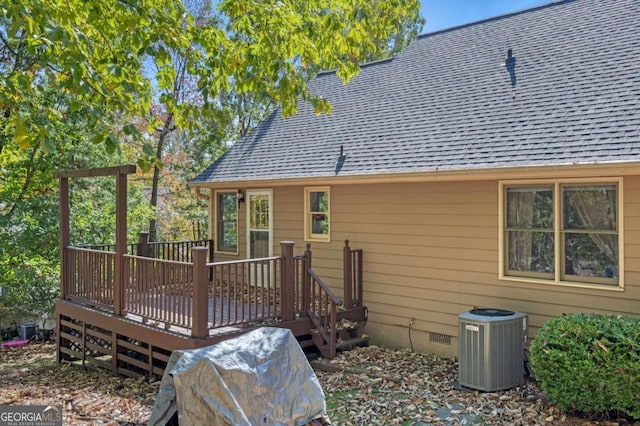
x,y
632,242
422,243
288,220
431,253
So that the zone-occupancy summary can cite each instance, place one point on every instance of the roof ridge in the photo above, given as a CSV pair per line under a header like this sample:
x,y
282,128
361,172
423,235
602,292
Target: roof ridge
x,y
496,17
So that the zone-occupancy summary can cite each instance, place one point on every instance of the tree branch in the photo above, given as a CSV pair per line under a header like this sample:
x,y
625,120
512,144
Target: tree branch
x,y
31,169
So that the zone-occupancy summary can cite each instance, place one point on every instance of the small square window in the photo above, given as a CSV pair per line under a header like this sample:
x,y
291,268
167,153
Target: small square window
x,y
316,221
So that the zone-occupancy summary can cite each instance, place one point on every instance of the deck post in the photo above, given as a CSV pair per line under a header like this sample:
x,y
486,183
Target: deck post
x,y
121,242
359,280
199,327
143,244
288,280
210,245
64,234
65,240
348,276
306,280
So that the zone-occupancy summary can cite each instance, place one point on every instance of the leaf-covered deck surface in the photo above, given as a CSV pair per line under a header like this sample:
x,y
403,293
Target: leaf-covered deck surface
x,y
368,386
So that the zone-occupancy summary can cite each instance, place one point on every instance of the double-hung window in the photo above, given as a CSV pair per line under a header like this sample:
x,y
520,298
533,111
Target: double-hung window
x,y
562,231
226,222
316,213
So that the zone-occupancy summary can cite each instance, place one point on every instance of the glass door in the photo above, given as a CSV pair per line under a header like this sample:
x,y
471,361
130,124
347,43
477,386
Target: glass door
x,y
259,229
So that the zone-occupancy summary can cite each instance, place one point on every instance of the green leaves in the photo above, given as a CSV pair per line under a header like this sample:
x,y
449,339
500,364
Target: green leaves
x,y
79,78
111,143
101,55
589,363
81,49
21,133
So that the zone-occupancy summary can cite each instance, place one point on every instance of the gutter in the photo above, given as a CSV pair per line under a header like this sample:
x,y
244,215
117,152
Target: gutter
x,y
573,170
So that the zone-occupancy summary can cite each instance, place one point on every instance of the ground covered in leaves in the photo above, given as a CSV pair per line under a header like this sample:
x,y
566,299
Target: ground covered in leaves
x,y
366,386
30,375
374,386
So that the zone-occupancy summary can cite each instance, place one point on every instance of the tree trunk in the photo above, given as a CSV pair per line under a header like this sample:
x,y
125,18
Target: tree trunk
x,y
162,136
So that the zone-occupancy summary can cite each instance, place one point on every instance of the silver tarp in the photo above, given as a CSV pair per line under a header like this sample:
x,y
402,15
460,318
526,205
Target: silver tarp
x,y
259,378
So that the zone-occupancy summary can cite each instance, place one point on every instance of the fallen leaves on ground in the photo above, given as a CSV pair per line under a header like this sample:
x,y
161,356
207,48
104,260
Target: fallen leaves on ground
x,y
377,386
30,375
368,386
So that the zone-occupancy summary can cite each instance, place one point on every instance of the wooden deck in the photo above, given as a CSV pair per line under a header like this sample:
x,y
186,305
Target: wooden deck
x,y
125,307
169,305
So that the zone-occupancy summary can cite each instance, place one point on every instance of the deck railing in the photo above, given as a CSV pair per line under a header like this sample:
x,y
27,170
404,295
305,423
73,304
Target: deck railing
x,y
245,291
199,296
352,260
131,248
159,290
202,296
180,251
90,276
90,273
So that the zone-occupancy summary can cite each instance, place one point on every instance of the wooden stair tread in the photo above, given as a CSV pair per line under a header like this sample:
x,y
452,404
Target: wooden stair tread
x,y
348,343
352,342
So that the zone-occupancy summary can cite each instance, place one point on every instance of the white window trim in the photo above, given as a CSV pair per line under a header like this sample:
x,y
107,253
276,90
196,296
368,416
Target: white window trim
x,y
215,222
308,235
556,225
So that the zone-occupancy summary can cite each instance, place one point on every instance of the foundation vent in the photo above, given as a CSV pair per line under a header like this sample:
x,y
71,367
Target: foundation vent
x,y
443,339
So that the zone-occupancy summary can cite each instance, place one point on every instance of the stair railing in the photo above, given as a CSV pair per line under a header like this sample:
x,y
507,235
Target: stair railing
x,y
322,312
320,304
352,269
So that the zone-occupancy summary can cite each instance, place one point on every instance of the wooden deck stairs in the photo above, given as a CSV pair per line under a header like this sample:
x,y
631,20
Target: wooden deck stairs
x,y
348,335
338,323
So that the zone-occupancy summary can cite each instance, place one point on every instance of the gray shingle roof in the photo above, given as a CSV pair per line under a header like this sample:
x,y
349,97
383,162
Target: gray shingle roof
x,y
449,102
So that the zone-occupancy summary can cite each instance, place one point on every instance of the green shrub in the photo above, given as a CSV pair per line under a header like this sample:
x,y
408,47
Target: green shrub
x,y
589,363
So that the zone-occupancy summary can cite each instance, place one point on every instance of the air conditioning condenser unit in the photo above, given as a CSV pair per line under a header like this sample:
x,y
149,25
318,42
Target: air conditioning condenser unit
x,y
491,348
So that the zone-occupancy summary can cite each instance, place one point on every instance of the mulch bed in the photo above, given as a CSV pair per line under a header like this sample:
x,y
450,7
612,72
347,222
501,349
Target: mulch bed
x,y
365,386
